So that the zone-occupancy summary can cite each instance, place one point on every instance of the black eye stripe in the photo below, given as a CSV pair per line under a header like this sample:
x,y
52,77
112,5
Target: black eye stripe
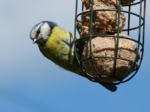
x,y
37,32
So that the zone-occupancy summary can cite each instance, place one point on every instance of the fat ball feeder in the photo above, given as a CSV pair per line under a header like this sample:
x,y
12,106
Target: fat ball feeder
x,y
106,50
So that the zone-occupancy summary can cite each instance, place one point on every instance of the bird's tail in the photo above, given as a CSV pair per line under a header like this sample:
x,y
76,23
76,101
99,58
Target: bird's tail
x,y
112,87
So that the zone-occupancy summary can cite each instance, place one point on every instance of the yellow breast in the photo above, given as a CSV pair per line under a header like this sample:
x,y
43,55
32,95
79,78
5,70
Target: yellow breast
x,y
56,50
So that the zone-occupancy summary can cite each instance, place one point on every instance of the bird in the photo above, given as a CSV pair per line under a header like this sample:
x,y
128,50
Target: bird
x,y
57,44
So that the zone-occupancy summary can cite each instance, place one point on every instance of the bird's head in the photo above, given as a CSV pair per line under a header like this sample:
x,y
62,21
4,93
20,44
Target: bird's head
x,y
41,32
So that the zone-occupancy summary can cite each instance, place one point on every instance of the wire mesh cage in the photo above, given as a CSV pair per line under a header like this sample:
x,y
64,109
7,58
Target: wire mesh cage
x,y
111,39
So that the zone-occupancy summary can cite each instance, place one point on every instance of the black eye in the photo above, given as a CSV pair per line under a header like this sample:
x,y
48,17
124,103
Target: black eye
x,y
38,31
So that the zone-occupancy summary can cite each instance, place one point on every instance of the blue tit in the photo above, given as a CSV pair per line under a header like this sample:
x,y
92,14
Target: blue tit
x,y
57,44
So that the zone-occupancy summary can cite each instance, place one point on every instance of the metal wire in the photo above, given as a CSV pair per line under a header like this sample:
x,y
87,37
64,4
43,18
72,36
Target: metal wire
x,y
141,5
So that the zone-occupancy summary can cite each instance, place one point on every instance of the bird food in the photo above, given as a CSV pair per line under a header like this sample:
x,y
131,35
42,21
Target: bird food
x,y
104,67
104,21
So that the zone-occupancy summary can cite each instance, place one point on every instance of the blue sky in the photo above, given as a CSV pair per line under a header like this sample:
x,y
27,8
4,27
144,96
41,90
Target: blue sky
x,y
31,83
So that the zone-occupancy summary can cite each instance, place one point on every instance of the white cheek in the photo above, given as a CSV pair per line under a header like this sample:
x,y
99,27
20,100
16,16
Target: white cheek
x,y
45,31
45,34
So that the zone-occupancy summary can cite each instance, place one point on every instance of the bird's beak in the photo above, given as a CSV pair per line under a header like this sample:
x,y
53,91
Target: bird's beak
x,y
34,41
